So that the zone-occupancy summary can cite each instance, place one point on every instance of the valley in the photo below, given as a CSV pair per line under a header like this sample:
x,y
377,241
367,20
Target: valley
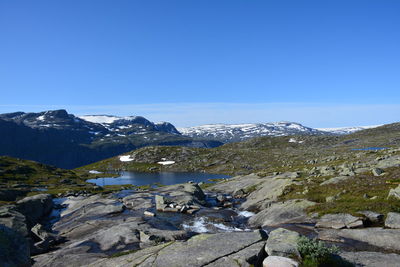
x,y
341,189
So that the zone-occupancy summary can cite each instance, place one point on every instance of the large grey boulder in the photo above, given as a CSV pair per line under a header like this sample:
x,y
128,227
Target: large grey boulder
x,y
267,192
393,220
282,212
183,194
283,242
14,248
277,261
339,221
394,192
35,207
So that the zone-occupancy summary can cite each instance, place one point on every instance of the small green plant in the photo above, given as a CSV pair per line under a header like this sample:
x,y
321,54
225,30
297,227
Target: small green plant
x,y
315,253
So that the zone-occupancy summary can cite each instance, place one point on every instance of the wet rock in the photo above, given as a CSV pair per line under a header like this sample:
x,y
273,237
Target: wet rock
x,y
14,248
217,215
393,220
339,221
282,212
277,261
282,242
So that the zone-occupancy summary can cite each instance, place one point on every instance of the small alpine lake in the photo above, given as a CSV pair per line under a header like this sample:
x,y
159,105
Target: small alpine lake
x,y
164,178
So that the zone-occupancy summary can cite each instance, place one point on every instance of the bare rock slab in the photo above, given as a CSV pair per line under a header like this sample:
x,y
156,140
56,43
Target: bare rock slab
x,y
339,221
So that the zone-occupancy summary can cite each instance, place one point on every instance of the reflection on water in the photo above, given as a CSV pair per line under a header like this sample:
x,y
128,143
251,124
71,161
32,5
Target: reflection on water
x,y
164,178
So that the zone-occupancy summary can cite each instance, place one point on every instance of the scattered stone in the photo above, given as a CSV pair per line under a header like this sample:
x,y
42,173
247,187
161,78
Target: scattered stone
x,y
149,213
377,171
282,212
277,261
393,220
282,242
331,198
339,221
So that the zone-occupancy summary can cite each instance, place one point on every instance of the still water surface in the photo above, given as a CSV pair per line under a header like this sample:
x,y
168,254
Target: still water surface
x,y
165,178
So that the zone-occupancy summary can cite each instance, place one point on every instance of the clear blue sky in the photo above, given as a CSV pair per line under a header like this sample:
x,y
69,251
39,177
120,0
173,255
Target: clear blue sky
x,y
125,56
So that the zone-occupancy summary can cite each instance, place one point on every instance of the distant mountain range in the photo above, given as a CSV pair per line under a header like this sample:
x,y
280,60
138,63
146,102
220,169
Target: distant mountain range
x,y
58,138
64,140
346,130
239,132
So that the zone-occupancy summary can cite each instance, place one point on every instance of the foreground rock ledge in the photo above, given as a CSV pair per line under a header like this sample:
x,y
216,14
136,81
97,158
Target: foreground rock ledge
x,y
222,249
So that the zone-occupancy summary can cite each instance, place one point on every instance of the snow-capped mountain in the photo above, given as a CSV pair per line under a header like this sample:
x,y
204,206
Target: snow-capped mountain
x,y
65,140
346,130
239,132
124,124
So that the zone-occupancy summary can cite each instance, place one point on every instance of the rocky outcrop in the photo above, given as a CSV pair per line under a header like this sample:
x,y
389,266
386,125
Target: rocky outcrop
x,y
260,193
34,208
282,212
196,251
339,221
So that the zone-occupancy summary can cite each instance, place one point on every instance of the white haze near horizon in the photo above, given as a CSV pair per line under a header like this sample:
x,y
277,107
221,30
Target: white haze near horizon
x,y
194,114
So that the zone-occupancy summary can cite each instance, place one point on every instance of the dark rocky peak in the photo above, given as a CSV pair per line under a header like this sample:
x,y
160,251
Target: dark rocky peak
x,y
166,127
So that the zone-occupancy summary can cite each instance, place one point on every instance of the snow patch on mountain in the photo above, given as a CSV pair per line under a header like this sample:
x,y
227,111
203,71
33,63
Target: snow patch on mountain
x,y
239,132
346,130
104,119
